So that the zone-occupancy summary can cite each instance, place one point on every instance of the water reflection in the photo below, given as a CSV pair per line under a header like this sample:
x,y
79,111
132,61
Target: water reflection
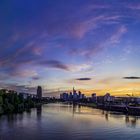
x,y
39,112
130,121
63,121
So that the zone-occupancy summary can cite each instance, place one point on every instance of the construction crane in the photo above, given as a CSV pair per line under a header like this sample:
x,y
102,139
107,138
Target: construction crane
x,y
130,95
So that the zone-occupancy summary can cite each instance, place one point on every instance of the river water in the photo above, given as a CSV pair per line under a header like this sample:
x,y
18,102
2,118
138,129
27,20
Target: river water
x,y
68,122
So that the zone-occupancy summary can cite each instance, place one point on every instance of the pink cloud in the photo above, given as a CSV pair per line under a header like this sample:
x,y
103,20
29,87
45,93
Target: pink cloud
x,y
115,38
98,47
37,50
134,6
98,6
24,73
80,29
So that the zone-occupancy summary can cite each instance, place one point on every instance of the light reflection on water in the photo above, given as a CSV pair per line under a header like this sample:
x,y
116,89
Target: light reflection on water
x,y
62,121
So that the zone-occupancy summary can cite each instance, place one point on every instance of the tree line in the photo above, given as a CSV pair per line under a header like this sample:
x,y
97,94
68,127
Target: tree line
x,y
12,102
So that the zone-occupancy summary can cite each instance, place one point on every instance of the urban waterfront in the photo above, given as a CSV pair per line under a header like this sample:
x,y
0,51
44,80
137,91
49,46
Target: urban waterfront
x,y
69,69
57,121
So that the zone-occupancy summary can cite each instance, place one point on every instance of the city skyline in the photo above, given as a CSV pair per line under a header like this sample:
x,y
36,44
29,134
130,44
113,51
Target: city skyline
x,y
92,45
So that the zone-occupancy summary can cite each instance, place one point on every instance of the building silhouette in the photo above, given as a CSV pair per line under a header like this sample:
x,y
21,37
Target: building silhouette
x,y
72,96
39,92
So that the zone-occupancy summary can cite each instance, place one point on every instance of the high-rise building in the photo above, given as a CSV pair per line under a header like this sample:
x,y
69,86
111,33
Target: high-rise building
x,y
70,96
64,96
108,98
94,97
75,95
39,92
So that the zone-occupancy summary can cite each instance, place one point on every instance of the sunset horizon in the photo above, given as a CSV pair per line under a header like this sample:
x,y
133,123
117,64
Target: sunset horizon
x,y
69,69
45,44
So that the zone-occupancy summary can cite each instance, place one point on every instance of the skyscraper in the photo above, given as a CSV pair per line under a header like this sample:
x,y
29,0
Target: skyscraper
x,y
39,92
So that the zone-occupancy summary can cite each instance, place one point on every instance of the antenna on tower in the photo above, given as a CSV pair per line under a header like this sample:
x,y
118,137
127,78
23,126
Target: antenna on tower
x,y
73,90
58,90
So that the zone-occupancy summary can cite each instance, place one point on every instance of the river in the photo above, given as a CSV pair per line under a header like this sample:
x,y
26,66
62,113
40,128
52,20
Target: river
x,y
68,122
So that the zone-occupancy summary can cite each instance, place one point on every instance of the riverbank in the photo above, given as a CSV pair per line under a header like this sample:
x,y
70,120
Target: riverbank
x,y
125,109
12,102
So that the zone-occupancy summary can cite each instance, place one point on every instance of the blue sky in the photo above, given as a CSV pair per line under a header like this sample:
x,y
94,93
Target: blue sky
x,y
54,42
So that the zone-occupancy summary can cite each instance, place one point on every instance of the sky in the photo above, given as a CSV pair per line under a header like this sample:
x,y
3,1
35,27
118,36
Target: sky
x,y
92,45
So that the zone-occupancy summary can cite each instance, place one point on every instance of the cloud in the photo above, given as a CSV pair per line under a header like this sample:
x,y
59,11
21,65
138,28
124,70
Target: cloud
x,y
24,73
28,36
18,87
27,54
116,36
131,77
79,67
108,80
80,28
100,44
54,64
83,79
98,6
36,78
134,6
